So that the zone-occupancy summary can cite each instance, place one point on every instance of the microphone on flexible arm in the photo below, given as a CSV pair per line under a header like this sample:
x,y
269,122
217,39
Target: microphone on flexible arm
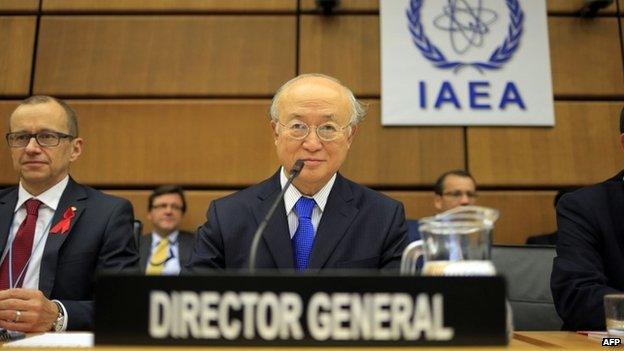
x,y
294,172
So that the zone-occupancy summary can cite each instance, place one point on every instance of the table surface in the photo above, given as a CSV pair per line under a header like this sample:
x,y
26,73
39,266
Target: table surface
x,y
534,340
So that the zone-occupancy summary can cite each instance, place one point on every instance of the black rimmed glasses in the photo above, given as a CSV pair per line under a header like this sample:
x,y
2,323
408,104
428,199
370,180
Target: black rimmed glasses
x,y
44,139
298,130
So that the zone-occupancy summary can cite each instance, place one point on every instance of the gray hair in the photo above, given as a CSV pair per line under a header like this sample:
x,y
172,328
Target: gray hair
x,y
70,114
358,109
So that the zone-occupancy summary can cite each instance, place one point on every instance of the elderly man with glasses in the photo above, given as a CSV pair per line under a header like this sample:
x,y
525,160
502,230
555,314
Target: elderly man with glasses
x,y
54,232
324,220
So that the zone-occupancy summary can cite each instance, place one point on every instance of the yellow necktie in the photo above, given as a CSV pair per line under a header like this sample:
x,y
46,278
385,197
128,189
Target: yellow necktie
x,y
159,257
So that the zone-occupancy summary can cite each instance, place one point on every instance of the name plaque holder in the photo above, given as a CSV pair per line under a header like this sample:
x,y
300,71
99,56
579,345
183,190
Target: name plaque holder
x,y
299,310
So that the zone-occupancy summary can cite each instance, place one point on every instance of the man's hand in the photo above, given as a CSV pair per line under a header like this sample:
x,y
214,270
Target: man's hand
x,y
36,312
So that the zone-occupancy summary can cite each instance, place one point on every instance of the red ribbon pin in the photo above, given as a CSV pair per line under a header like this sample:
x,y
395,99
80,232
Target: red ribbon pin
x,y
63,225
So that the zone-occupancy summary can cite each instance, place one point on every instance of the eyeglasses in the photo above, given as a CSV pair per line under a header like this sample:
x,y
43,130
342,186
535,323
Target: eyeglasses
x,y
164,206
298,130
458,194
45,139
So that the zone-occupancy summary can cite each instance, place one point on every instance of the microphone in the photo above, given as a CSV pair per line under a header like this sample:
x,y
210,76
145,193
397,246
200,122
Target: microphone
x,y
294,172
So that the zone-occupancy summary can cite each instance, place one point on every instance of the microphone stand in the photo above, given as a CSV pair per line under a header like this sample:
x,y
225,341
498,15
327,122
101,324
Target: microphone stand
x,y
265,221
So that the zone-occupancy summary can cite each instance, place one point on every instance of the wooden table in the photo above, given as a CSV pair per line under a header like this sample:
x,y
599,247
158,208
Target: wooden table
x,y
521,341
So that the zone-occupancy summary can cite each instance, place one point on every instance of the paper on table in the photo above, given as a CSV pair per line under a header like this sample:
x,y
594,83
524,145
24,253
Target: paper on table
x,y
72,339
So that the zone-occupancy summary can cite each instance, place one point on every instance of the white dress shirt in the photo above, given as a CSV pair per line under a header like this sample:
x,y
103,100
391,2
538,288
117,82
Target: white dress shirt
x,y
172,266
291,197
50,200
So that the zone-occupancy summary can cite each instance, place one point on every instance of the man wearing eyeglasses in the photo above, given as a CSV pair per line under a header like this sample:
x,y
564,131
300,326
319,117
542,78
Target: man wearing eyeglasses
x,y
55,233
167,248
324,220
454,188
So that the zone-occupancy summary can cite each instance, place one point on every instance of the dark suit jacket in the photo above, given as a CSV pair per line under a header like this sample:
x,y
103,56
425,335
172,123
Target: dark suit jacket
x,y
590,253
360,228
100,237
186,241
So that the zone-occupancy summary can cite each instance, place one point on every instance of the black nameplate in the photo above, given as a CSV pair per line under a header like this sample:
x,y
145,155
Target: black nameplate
x,y
328,310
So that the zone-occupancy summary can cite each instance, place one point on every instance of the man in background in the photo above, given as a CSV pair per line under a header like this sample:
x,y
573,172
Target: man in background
x,y
166,249
452,189
55,234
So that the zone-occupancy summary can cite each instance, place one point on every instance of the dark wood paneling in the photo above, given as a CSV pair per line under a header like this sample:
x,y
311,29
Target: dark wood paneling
x,y
573,6
583,148
586,57
402,156
346,47
229,143
17,36
522,213
169,5
164,55
197,204
218,143
19,6
345,5
557,6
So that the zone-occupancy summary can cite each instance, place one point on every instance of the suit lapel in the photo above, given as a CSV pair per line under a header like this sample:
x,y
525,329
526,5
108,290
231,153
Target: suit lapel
x,y
7,210
146,246
74,195
337,217
185,247
615,194
276,235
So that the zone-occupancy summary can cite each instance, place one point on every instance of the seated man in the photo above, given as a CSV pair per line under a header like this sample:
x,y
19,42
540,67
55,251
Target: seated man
x,y
590,251
167,248
55,233
324,220
452,189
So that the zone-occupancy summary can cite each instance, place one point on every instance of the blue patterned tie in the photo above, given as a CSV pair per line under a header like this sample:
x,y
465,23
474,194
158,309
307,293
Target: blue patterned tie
x,y
304,235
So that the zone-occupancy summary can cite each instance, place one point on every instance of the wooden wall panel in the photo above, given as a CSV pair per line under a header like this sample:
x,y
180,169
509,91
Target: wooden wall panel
x,y
583,148
7,175
586,57
345,5
164,55
17,36
169,5
19,5
573,6
402,156
555,6
229,143
346,47
523,213
197,204
213,143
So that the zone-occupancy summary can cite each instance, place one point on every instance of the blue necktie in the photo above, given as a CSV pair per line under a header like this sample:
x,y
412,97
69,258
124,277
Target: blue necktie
x,y
304,235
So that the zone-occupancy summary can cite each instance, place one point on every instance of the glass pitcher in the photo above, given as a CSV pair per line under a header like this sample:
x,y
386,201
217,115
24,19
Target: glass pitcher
x,y
455,242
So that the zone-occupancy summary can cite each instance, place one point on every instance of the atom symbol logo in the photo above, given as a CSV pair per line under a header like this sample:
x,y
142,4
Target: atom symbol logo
x,y
467,26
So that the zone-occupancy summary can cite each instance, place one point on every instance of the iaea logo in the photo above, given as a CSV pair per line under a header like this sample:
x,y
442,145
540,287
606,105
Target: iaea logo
x,y
467,24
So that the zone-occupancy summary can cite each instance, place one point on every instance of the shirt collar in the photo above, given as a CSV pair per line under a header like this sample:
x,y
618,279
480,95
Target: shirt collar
x,y
173,238
50,198
292,195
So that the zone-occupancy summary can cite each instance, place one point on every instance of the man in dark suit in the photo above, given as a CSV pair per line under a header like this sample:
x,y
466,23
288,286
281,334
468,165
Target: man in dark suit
x,y
590,251
166,248
55,233
324,220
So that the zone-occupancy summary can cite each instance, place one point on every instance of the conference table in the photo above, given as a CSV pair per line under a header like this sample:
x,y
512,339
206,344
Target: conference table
x,y
529,340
